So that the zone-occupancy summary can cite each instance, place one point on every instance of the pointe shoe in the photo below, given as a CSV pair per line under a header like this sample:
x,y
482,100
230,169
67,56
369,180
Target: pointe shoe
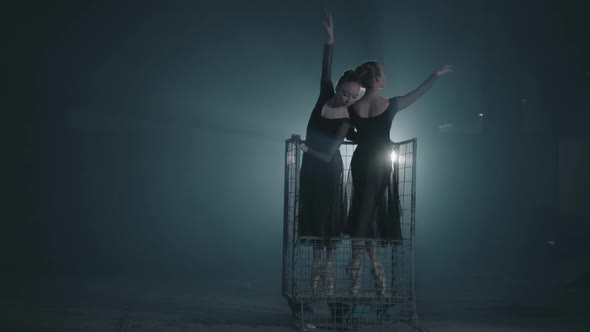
x,y
329,279
380,279
353,270
316,275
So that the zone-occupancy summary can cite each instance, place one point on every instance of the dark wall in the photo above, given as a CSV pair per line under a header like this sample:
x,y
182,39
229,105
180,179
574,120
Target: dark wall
x,y
154,133
148,139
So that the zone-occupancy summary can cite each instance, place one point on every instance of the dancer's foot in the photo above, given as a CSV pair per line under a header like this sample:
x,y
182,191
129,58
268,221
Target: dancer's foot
x,y
316,275
380,279
329,279
353,270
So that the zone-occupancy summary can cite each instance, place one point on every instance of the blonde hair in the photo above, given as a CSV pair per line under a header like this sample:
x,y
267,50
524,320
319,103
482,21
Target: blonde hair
x,y
367,72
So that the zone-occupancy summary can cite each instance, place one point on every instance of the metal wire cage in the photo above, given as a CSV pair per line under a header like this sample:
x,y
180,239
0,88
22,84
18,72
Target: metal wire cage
x,y
329,286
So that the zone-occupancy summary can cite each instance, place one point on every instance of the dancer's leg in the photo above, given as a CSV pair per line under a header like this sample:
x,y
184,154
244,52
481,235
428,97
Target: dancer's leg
x,y
377,271
317,266
329,269
354,268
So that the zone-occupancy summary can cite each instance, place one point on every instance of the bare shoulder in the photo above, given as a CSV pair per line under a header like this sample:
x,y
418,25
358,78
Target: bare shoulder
x,y
361,107
381,103
371,107
334,113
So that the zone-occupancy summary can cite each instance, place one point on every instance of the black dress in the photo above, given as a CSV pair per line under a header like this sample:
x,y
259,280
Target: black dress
x,y
375,210
321,200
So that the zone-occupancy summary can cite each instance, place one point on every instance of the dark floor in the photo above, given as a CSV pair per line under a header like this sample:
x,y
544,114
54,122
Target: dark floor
x,y
182,305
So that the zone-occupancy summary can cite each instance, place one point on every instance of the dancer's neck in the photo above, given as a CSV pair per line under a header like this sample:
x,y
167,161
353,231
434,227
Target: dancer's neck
x,y
371,93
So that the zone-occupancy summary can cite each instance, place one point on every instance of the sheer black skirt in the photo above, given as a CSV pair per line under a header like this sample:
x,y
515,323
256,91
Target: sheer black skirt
x,y
322,210
375,210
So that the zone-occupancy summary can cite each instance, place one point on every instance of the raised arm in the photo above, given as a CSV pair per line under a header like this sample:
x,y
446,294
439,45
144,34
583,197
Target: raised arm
x,y
327,156
326,80
407,100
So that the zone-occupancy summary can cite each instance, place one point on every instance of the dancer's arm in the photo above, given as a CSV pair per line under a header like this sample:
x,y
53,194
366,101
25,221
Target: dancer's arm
x,y
327,157
326,85
404,101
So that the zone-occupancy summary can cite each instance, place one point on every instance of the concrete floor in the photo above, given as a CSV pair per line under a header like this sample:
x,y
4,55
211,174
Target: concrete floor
x,y
175,305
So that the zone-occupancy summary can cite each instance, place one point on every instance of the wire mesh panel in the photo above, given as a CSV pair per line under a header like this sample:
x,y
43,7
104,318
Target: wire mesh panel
x,y
292,162
363,284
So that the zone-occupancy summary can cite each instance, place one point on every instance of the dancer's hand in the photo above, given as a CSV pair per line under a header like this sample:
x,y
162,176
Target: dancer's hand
x,y
304,148
444,70
329,28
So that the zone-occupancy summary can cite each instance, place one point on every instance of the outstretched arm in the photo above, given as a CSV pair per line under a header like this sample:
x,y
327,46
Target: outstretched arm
x,y
327,156
407,100
326,81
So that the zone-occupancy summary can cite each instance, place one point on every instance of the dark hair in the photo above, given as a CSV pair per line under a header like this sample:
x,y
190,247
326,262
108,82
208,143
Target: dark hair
x,y
348,76
367,72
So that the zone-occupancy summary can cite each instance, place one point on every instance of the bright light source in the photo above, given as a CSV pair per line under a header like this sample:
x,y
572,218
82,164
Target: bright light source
x,y
393,156
480,114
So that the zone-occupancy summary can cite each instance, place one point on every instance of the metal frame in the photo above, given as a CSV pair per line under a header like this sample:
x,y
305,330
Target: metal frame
x,y
309,305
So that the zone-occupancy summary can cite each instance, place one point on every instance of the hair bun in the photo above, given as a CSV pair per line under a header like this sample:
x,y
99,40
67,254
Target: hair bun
x,y
367,72
363,72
